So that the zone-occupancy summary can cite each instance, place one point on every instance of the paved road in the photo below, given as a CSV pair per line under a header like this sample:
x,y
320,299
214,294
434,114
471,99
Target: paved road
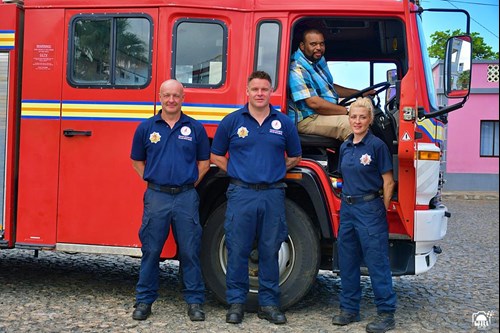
x,y
59,292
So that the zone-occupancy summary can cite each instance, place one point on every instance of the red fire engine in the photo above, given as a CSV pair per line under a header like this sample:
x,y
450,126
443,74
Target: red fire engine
x,y
76,78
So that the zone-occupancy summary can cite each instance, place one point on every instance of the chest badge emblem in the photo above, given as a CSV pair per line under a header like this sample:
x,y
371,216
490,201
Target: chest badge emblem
x,y
276,124
242,132
154,137
185,131
365,159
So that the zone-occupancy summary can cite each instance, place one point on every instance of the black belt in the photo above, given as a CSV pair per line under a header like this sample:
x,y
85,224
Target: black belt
x,y
354,199
170,189
240,183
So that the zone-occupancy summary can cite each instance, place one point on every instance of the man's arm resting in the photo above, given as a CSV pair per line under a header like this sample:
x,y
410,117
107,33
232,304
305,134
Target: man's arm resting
x,y
323,107
346,92
139,167
220,161
203,167
292,161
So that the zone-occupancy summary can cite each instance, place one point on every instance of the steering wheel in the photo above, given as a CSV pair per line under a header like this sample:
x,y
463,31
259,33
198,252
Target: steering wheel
x,y
379,87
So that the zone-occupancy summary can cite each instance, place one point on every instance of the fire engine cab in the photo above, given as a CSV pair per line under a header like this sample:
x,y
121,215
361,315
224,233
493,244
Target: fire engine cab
x,y
77,77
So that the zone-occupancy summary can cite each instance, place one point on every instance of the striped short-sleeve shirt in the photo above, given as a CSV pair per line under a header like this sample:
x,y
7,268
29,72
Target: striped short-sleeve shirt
x,y
308,79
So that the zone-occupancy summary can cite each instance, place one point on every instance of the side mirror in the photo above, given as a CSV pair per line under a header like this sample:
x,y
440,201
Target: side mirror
x,y
458,67
392,77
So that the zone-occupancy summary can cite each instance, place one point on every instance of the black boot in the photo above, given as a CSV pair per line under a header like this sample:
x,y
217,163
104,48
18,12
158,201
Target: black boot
x,y
345,318
142,311
195,312
382,323
272,313
235,313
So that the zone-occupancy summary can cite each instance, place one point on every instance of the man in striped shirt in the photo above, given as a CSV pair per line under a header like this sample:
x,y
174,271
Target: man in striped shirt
x,y
314,93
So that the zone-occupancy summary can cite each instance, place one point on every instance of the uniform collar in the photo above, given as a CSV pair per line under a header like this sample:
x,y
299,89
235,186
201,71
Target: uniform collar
x,y
365,138
273,112
183,119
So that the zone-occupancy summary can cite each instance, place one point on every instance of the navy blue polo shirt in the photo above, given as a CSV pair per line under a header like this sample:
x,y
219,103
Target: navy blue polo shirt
x,y
363,164
256,153
171,154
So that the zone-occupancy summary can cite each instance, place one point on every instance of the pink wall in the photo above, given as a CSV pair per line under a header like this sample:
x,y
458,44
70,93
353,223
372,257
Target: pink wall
x,y
480,77
464,126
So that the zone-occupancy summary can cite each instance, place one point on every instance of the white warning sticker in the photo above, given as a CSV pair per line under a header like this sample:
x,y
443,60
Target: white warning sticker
x,y
405,137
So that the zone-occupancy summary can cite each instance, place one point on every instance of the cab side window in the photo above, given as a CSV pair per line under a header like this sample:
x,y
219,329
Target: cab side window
x,y
110,51
199,49
267,54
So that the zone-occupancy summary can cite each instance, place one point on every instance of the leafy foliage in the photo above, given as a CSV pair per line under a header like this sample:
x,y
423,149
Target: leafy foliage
x,y
480,50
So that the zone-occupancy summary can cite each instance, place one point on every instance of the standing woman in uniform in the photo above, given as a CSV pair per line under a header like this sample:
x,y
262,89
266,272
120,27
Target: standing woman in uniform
x,y
365,163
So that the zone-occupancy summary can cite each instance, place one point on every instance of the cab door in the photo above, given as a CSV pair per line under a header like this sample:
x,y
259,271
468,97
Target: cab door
x,y
4,66
109,88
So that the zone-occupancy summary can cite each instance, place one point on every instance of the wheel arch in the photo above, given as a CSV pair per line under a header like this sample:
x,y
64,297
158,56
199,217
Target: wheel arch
x,y
308,193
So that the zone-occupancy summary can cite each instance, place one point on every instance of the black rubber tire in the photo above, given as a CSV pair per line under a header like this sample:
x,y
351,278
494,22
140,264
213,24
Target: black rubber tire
x,y
299,258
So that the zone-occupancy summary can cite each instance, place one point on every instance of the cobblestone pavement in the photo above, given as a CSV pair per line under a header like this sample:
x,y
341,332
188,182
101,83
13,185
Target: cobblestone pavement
x,y
60,292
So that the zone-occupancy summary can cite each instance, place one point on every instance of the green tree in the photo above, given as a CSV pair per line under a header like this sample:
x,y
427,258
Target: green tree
x,y
93,48
480,50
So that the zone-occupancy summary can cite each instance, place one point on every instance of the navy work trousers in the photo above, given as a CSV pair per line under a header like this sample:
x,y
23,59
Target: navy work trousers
x,y
160,211
364,234
254,214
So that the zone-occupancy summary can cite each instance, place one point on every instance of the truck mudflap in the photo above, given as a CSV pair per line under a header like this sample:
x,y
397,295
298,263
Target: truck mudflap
x,y
430,227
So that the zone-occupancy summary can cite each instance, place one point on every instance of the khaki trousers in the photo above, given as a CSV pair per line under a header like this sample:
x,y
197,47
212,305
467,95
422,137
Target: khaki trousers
x,y
336,127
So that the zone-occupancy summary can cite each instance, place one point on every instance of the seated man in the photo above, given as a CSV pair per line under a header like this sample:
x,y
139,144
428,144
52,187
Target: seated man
x,y
314,92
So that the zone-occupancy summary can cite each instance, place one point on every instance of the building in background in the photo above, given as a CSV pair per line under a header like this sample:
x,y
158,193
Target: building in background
x,y
472,146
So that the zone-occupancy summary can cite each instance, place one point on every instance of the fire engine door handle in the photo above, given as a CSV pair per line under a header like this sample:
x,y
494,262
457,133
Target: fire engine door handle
x,y
71,132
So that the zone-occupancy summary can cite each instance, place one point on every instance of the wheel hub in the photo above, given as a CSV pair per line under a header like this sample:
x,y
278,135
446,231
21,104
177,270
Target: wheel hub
x,y
286,261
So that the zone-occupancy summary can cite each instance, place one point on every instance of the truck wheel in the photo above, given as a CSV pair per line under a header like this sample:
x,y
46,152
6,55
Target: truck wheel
x,y
299,258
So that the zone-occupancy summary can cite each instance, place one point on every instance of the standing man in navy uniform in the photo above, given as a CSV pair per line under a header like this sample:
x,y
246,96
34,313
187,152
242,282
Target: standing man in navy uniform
x,y
365,163
257,137
171,152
